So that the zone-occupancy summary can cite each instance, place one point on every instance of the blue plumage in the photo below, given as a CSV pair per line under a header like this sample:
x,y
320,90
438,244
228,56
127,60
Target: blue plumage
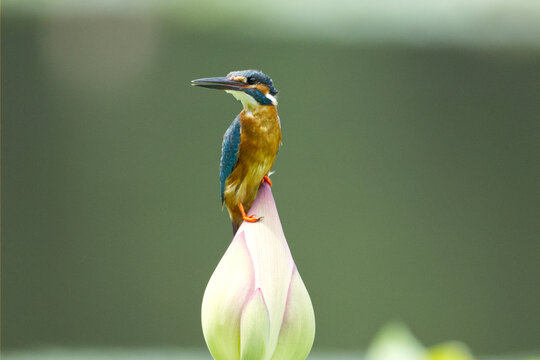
x,y
229,153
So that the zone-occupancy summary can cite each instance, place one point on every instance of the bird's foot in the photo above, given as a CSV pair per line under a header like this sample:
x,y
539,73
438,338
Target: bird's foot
x,y
267,179
248,218
251,218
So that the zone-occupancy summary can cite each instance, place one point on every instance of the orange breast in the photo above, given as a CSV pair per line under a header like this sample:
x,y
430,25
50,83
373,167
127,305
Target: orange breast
x,y
259,142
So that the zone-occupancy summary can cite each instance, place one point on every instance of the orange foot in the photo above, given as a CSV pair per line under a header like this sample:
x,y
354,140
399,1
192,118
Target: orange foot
x,y
247,218
267,179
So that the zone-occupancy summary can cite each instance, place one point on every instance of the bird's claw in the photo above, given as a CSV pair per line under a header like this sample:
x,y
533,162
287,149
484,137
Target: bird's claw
x,y
248,218
267,179
251,218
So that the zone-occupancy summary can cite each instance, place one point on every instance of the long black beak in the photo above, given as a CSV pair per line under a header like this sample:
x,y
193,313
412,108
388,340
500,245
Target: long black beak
x,y
220,83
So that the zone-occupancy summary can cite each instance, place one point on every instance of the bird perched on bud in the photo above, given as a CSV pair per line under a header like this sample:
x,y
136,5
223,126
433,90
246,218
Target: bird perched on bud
x,y
251,142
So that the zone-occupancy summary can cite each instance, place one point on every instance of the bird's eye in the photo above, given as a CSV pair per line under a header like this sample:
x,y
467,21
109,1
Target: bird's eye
x,y
251,80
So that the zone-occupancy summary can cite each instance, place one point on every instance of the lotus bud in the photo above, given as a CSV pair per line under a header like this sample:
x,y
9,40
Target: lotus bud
x,y
395,342
256,306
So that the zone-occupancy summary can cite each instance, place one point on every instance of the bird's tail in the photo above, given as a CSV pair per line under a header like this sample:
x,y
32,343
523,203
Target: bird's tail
x,y
235,228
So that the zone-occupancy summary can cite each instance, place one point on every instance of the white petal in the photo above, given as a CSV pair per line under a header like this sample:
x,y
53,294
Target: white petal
x,y
230,286
298,328
254,328
272,260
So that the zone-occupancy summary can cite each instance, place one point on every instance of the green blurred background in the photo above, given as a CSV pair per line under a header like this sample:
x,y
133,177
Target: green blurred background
x,y
407,185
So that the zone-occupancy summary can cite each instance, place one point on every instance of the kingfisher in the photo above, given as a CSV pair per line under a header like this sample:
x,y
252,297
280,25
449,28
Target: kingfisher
x,y
251,142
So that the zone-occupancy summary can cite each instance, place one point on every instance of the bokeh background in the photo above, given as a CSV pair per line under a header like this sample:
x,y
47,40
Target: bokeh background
x,y
408,182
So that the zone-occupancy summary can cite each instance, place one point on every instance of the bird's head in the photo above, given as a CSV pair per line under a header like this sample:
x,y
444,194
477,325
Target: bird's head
x,y
251,87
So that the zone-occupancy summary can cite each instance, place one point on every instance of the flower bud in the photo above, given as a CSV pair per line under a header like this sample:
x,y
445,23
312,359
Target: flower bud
x,y
256,306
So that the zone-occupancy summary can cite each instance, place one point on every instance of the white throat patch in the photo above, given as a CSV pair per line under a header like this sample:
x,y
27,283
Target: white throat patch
x,y
248,101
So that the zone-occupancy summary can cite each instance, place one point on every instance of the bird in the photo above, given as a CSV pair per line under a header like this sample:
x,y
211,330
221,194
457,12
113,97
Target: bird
x,y
251,142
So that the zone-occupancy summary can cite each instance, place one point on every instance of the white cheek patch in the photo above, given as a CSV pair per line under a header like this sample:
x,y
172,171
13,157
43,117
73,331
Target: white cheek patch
x,y
271,98
245,99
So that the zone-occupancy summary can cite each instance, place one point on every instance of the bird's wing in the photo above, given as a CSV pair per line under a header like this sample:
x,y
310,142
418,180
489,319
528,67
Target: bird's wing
x,y
229,153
